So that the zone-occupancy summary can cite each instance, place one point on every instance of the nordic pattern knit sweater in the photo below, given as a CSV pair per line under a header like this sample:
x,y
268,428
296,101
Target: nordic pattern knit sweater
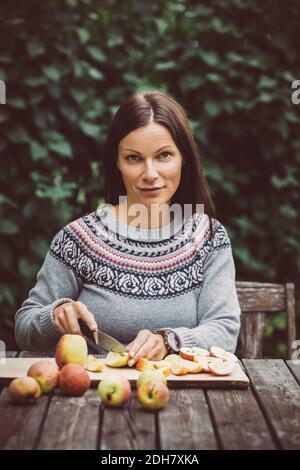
x,y
176,277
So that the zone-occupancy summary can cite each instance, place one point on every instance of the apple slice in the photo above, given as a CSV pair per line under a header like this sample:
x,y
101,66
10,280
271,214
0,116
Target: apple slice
x,y
179,368
204,361
93,364
192,366
190,353
173,359
225,367
114,359
144,364
215,351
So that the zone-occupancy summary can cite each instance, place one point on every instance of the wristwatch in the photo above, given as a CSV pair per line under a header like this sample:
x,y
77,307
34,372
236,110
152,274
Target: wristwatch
x,y
171,340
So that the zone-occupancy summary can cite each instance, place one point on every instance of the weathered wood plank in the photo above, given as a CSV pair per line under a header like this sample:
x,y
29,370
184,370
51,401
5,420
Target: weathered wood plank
x,y
128,428
239,422
185,422
279,396
71,422
291,317
20,425
294,366
261,297
251,334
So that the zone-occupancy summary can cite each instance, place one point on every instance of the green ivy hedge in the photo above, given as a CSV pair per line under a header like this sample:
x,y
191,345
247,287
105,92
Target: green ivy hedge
x,y
68,64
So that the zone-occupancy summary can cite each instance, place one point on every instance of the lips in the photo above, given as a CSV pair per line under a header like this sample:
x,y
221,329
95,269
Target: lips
x,y
150,189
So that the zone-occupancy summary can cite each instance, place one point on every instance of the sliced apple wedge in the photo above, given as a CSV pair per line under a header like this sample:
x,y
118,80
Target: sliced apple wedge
x,y
94,364
114,359
225,367
179,368
192,366
204,361
173,358
143,364
220,353
190,353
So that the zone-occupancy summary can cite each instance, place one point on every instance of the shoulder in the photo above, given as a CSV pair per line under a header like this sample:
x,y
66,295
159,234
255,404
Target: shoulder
x,y
209,236
67,241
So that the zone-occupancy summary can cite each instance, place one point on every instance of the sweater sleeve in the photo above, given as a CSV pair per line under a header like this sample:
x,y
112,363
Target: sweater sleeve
x,y
56,284
218,305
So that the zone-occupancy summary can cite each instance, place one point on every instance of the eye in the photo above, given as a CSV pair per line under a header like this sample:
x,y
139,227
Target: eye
x,y
132,158
165,155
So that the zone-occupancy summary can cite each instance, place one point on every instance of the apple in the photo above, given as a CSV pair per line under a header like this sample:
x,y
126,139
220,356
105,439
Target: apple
x,y
153,395
190,353
172,358
71,349
220,353
222,368
24,390
179,368
114,359
93,364
205,361
46,375
114,390
74,380
144,364
151,376
192,366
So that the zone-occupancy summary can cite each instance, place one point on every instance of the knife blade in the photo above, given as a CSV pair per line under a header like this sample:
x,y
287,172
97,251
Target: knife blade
x,y
108,342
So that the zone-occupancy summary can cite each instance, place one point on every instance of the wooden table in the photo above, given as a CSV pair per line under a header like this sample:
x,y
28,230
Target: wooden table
x,y
264,416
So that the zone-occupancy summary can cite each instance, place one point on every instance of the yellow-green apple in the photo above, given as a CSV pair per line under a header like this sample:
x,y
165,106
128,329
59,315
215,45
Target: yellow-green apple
x,y
74,380
114,390
220,353
46,375
151,376
179,368
190,353
153,395
143,364
172,358
94,364
24,390
114,359
224,367
71,349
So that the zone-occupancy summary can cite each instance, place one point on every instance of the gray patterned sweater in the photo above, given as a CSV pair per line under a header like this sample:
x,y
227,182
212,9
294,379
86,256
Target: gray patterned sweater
x,y
175,277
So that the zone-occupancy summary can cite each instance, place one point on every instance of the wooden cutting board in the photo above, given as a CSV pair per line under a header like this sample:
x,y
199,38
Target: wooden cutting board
x,y
17,367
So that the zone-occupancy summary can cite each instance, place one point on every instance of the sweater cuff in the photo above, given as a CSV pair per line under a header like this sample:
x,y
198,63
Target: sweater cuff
x,y
47,318
185,336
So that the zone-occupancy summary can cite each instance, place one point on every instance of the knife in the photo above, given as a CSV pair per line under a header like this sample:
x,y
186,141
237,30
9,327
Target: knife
x,y
98,339
108,342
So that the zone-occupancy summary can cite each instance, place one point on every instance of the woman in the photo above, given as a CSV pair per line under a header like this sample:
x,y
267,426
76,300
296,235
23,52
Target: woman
x,y
155,282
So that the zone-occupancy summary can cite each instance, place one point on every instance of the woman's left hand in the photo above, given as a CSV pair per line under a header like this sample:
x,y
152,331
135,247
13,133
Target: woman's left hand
x,y
148,345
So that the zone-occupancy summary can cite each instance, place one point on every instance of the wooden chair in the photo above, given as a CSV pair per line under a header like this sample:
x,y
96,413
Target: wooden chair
x,y
256,299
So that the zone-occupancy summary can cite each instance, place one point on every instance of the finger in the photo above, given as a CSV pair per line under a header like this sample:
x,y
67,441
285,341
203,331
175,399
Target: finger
x,y
145,349
139,341
85,315
128,347
73,325
59,328
62,323
153,353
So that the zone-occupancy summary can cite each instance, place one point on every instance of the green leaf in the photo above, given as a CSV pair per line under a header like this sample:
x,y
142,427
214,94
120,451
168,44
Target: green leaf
x,y
92,130
8,227
95,74
35,81
18,135
19,103
83,34
212,108
62,148
27,269
267,82
51,72
38,152
96,54
35,48
169,65
210,58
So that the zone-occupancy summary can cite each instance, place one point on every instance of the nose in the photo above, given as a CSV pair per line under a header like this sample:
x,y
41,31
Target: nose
x,y
150,171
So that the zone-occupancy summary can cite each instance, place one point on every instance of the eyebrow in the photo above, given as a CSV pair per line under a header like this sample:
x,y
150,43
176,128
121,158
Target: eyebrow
x,y
135,151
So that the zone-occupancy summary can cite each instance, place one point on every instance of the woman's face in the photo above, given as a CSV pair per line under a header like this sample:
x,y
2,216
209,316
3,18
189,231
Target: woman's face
x,y
149,159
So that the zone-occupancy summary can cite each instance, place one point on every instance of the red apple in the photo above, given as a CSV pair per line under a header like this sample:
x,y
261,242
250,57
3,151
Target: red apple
x,y
190,353
74,380
24,390
46,375
153,395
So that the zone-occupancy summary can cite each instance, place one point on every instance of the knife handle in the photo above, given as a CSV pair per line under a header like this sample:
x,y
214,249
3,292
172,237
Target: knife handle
x,y
88,336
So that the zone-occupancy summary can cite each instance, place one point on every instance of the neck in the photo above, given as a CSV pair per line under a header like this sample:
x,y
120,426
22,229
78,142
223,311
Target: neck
x,y
140,216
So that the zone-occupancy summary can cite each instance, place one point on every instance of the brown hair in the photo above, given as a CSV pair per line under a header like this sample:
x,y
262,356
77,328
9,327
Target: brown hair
x,y
138,111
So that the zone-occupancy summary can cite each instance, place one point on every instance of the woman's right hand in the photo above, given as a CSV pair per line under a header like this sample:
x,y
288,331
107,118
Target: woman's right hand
x,y
66,318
